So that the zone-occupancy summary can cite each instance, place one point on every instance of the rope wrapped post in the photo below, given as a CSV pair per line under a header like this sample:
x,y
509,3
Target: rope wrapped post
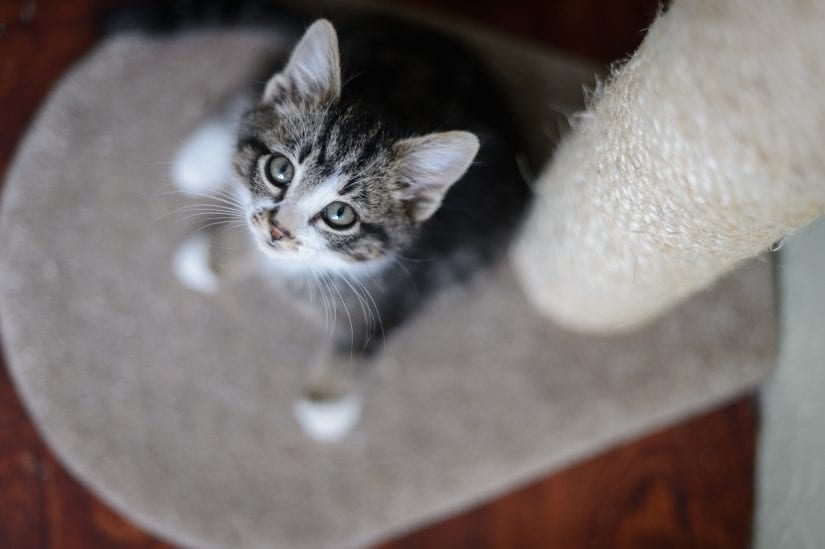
x,y
703,150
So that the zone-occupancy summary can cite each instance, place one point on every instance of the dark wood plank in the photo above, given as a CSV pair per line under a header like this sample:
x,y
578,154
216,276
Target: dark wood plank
x,y
29,62
36,46
22,508
690,485
600,31
41,505
78,520
687,486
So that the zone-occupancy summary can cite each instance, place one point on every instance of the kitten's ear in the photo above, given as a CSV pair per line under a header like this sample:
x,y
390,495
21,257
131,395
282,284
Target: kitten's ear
x,y
429,165
314,68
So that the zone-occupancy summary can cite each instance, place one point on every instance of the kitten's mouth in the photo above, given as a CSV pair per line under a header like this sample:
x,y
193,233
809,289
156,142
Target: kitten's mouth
x,y
273,238
278,247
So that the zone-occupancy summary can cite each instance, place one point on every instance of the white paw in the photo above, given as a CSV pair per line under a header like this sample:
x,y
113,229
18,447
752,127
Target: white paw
x,y
203,163
329,420
192,266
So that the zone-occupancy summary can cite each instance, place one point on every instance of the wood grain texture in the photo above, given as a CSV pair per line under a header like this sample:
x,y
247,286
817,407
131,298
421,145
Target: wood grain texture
x,y
688,486
601,31
41,505
22,475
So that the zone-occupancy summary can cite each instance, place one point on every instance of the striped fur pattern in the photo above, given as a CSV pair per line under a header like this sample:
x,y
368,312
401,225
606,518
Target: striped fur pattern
x,y
404,127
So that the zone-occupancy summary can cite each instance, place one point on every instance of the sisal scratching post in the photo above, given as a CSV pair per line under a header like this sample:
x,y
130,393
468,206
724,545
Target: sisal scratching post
x,y
702,151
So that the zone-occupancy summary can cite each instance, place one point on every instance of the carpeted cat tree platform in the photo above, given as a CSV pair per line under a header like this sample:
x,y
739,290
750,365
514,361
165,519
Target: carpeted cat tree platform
x,y
176,408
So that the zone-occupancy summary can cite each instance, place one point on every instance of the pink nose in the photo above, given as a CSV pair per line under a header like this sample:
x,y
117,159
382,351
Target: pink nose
x,y
278,232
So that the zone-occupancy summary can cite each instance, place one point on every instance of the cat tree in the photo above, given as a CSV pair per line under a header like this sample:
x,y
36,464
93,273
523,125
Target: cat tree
x,y
174,409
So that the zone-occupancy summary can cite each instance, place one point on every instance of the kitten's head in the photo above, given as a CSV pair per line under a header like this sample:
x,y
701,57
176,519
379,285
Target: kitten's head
x,y
329,184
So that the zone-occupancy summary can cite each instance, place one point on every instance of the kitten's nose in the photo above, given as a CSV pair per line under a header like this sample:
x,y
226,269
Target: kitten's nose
x,y
277,231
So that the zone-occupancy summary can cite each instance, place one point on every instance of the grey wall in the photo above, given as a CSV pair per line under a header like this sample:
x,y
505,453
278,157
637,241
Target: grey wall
x,y
791,459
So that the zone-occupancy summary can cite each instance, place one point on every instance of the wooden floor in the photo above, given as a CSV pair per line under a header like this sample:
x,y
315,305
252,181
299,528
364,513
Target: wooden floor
x,y
688,486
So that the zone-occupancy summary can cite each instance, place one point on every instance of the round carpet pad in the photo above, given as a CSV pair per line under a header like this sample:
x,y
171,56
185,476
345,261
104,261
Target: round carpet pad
x,y
177,408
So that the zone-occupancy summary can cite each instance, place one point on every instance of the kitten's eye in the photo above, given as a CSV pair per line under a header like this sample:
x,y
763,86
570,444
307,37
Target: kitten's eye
x,y
279,170
339,215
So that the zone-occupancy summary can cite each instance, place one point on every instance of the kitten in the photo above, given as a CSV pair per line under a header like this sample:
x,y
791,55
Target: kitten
x,y
372,176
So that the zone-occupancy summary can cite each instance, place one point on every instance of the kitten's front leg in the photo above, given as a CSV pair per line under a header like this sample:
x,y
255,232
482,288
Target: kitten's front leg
x,y
203,163
331,406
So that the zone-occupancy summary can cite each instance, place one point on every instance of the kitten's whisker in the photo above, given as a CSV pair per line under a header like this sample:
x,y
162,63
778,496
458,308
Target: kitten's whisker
x,y
349,317
398,261
181,209
233,227
325,277
351,78
214,223
365,310
192,215
527,175
217,212
306,286
201,214
204,208
218,198
368,295
322,289
225,192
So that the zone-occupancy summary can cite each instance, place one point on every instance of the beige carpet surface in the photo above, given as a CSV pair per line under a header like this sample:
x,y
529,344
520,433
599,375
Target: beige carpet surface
x,y
176,408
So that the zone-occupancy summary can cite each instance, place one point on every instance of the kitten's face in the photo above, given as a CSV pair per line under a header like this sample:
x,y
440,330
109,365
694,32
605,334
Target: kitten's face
x,y
320,193
327,186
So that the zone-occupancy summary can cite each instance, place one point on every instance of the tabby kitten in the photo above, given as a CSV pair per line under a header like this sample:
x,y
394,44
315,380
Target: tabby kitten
x,y
372,176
